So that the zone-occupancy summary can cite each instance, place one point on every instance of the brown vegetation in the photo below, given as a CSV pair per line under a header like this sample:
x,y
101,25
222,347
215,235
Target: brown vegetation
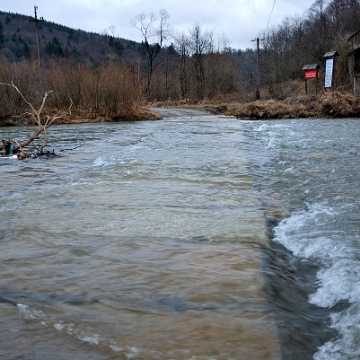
x,y
108,92
113,79
329,104
297,41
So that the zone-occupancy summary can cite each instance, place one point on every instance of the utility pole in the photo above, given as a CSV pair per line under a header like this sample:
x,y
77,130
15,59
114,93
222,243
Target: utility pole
x,y
36,20
257,68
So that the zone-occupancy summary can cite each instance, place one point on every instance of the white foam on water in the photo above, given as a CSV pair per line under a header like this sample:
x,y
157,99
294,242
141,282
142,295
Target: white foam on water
x,y
29,313
59,327
71,329
341,281
103,161
289,170
111,160
346,347
92,340
115,348
304,233
272,138
294,234
133,352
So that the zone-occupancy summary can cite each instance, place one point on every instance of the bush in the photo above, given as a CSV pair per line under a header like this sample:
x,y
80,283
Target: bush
x,y
108,91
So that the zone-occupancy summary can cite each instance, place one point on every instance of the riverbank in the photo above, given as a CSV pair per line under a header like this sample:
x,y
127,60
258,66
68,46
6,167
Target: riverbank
x,y
82,117
330,104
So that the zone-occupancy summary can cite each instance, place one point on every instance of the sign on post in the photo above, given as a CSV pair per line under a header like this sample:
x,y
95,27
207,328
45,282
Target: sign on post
x,y
329,68
310,72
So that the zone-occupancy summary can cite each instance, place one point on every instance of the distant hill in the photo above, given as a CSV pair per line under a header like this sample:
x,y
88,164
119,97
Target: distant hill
x,y
172,75
18,42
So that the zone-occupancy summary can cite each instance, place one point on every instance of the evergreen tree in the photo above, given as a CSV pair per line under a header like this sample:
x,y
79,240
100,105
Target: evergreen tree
x,y
54,47
2,37
26,51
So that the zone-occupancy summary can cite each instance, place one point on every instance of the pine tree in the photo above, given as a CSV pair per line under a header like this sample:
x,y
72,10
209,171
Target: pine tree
x,y
26,51
2,37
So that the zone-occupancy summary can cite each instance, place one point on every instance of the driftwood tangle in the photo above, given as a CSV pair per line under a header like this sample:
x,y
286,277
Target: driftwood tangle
x,y
12,147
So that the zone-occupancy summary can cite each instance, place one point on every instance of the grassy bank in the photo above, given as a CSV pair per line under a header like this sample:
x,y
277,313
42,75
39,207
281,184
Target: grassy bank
x,y
330,104
113,92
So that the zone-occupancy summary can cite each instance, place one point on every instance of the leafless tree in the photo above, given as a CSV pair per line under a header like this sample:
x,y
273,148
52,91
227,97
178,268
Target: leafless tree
x,y
113,41
43,121
182,48
155,31
200,43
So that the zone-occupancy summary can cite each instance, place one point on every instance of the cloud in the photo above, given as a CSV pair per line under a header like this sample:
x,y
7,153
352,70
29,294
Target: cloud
x,y
239,20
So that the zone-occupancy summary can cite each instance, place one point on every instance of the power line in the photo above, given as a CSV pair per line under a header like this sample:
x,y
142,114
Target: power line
x,y
37,20
19,6
257,68
271,14
258,56
255,16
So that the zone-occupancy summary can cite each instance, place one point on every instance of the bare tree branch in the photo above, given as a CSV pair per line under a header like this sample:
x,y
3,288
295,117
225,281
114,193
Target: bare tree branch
x,y
152,29
43,122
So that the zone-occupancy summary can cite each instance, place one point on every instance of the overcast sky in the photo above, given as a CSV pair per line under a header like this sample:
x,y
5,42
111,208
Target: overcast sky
x,y
239,20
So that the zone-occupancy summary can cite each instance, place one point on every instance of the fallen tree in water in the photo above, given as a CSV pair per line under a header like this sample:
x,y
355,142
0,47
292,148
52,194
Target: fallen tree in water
x,y
12,147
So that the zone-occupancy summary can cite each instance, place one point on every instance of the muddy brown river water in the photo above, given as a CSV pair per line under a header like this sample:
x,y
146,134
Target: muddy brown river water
x,y
150,241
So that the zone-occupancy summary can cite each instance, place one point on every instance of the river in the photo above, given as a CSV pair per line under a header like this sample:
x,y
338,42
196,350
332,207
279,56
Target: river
x,y
193,237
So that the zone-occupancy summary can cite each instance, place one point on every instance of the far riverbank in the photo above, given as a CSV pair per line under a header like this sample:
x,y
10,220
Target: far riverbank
x,y
330,104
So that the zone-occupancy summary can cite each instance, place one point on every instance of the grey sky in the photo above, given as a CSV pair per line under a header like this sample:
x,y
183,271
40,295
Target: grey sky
x,y
239,20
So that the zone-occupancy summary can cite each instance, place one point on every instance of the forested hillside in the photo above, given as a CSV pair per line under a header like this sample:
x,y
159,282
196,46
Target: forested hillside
x,y
18,42
185,67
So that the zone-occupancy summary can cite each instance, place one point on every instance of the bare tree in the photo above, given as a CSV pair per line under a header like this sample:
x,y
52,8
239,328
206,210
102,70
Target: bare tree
x,y
345,15
113,41
319,30
182,49
155,32
222,71
43,122
200,45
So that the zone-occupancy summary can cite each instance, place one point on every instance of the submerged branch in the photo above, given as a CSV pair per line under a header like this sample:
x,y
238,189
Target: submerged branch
x,y
43,123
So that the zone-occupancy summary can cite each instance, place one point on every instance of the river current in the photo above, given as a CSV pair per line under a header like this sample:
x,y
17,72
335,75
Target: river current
x,y
193,237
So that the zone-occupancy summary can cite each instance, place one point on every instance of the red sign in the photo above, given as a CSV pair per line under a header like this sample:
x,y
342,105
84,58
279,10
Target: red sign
x,y
310,74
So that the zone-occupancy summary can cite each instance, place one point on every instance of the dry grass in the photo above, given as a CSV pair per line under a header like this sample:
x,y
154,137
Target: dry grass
x,y
110,92
261,109
327,104
81,117
338,104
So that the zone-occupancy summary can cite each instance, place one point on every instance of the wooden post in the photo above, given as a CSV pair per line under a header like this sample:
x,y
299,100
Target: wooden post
x,y
36,20
258,70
